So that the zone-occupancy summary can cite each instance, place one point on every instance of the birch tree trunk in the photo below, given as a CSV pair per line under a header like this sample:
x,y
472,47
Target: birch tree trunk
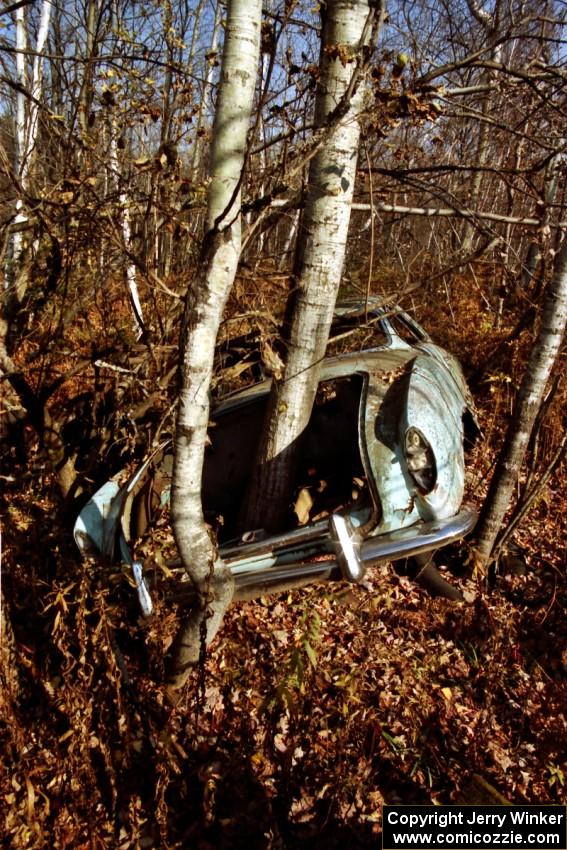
x,y
123,206
126,233
287,249
319,261
26,129
204,307
198,146
537,247
540,365
15,250
87,88
489,24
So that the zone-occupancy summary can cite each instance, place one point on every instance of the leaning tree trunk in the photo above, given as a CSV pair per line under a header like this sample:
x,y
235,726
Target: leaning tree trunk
x,y
204,306
542,359
319,261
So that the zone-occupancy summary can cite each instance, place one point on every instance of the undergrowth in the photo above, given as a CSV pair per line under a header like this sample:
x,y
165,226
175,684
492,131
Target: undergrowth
x,y
318,705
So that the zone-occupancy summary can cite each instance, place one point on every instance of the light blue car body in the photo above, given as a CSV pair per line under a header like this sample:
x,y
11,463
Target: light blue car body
x,y
404,385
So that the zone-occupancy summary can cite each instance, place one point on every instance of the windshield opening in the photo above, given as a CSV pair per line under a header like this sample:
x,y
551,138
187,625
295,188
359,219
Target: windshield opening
x,y
329,475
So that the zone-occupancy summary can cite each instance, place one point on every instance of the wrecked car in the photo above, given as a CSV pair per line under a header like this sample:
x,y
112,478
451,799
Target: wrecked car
x,y
381,475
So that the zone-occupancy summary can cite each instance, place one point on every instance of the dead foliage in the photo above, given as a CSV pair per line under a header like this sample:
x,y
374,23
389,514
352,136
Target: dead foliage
x,y
316,706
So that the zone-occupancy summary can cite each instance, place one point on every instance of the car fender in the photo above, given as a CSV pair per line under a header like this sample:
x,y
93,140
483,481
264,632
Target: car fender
x,y
434,406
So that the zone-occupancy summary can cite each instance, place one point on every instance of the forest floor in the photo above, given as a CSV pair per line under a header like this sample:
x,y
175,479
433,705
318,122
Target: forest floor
x,y
312,708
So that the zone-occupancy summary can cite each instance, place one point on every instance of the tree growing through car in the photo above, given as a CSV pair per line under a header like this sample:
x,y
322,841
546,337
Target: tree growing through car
x,y
204,305
349,28
349,32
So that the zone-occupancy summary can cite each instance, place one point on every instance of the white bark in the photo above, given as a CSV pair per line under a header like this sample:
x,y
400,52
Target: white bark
x,y
21,46
543,357
204,307
288,241
36,88
319,263
26,122
448,212
480,13
196,160
124,208
195,35
20,146
489,24
537,246
124,213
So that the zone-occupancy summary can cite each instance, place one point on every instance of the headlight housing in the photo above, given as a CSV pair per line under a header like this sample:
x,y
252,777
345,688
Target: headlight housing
x,y
420,460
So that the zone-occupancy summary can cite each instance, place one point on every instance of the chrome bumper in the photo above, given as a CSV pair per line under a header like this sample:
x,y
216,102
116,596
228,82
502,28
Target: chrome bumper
x,y
328,549
325,549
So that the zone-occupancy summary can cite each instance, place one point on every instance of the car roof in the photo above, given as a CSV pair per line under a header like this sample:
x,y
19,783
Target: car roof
x,y
369,361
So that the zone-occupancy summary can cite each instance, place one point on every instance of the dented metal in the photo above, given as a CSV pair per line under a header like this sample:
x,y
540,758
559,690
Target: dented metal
x,y
406,388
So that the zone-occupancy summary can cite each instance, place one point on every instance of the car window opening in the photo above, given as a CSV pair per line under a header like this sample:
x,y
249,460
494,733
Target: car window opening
x,y
329,476
407,328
